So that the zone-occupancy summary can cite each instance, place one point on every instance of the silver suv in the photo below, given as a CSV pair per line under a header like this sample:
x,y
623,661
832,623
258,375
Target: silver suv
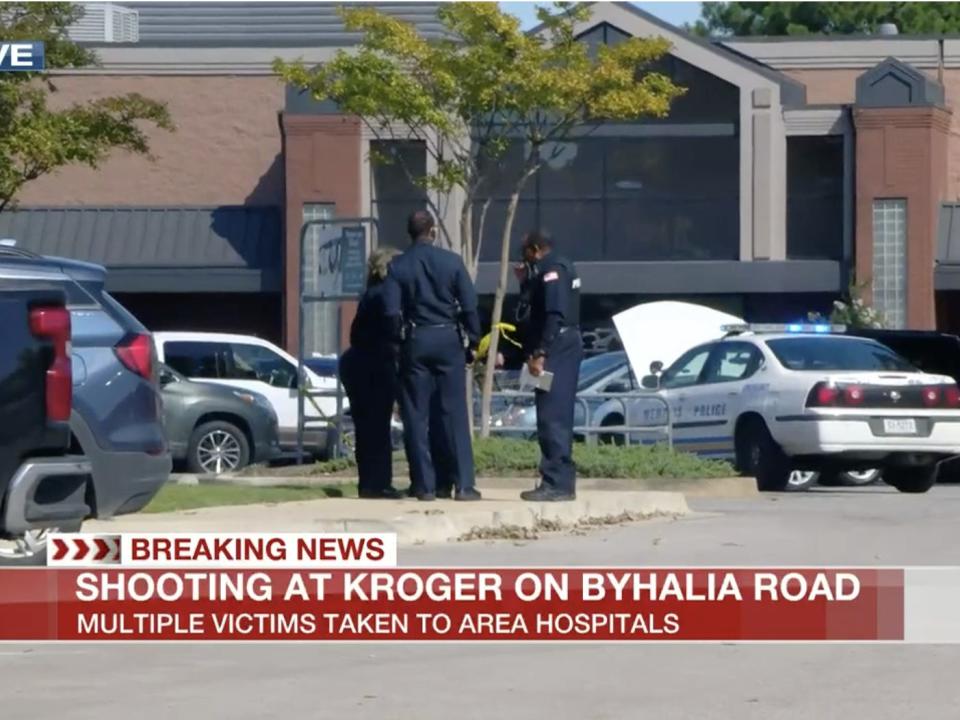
x,y
117,415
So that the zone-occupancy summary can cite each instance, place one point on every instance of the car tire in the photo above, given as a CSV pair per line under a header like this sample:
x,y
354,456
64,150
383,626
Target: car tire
x,y
203,453
759,455
30,549
851,478
913,480
612,438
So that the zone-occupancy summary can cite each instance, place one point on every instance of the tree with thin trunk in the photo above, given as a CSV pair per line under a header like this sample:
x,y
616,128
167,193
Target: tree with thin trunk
x,y
480,88
36,140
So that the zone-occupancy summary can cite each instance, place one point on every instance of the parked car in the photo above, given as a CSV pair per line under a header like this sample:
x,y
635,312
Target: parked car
x,y
256,365
608,373
776,399
928,350
215,429
116,420
42,485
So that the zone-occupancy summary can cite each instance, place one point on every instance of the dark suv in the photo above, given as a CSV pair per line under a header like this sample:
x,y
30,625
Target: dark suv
x,y
117,414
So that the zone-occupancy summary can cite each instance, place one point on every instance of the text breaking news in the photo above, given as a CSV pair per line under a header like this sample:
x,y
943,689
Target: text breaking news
x,y
347,587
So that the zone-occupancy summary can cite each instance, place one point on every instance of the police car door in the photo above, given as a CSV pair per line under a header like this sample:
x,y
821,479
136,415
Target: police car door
x,y
678,386
715,403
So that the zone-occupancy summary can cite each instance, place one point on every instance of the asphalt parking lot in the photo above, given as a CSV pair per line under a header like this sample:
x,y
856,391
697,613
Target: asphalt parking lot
x,y
863,526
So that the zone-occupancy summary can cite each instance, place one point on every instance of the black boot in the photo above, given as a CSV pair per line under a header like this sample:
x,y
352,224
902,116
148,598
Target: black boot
x,y
469,495
389,493
547,493
445,493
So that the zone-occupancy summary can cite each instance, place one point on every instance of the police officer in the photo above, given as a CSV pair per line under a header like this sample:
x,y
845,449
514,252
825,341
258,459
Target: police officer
x,y
552,343
368,370
430,288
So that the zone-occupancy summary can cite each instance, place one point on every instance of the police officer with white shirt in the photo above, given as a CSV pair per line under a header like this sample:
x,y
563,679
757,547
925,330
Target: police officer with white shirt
x,y
552,343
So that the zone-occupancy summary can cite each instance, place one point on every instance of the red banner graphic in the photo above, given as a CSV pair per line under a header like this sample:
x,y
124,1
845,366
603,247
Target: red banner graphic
x,y
442,604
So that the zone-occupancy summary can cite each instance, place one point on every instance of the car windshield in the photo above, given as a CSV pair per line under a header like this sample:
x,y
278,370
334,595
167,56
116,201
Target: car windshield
x,y
832,353
593,369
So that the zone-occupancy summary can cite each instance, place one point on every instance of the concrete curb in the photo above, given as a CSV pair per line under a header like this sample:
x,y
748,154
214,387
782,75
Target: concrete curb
x,y
500,514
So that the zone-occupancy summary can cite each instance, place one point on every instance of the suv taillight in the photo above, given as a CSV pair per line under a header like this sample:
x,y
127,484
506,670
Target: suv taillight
x,y
53,323
136,353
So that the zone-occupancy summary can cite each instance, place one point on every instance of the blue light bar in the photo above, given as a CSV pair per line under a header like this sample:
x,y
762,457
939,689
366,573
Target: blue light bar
x,y
807,328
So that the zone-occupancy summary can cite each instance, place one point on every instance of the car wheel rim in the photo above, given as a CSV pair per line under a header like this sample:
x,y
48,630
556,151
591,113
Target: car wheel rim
x,y
28,545
218,451
800,477
862,475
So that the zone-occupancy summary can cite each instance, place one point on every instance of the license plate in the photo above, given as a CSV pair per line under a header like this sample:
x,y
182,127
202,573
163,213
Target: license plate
x,y
900,426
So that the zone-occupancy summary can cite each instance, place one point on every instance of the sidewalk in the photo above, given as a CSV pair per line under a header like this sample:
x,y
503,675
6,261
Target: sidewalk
x,y
499,514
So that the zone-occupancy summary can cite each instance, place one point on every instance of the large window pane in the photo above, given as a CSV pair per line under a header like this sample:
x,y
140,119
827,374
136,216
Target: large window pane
x,y
661,229
500,174
319,319
890,260
572,170
392,180
576,226
815,197
672,199
524,221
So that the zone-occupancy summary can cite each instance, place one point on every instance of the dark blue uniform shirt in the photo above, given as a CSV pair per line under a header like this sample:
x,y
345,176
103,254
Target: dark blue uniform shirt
x,y
554,303
373,329
430,286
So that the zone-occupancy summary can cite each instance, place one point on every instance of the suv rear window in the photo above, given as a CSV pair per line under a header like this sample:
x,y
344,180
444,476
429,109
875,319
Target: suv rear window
x,y
836,354
115,310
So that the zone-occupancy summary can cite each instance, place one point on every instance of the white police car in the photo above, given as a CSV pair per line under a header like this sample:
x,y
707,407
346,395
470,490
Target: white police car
x,y
777,399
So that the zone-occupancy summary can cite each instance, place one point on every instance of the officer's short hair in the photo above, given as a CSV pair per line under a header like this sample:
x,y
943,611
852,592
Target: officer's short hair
x,y
379,264
537,239
419,224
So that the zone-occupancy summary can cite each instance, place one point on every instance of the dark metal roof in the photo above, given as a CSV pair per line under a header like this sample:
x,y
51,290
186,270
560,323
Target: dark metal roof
x,y
264,24
893,83
202,249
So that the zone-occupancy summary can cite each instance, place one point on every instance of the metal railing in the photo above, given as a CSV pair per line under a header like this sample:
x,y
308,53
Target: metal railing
x,y
590,403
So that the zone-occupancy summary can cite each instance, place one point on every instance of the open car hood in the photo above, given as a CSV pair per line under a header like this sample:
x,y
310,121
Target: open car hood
x,y
666,329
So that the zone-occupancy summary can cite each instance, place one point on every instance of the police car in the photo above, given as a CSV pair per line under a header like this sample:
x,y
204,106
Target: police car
x,y
777,399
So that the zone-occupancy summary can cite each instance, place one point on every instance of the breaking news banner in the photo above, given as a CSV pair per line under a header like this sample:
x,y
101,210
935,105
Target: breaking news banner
x,y
346,587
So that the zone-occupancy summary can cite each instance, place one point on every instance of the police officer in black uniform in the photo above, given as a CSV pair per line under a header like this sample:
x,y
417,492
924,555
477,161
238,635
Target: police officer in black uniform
x,y
552,343
368,370
430,288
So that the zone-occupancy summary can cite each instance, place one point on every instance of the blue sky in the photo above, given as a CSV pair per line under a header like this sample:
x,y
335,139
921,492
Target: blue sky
x,y
676,13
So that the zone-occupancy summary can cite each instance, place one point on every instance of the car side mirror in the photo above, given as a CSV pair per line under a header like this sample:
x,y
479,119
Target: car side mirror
x,y
651,382
656,367
618,386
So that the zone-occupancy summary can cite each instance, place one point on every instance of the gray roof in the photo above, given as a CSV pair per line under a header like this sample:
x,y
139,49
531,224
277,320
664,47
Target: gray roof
x,y
264,24
161,249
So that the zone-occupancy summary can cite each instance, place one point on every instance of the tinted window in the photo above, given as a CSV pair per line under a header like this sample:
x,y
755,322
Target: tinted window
x,y
594,369
253,362
732,361
198,359
623,382
825,353
686,371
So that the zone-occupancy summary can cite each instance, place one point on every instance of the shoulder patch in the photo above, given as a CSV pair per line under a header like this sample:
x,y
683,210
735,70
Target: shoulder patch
x,y
576,283
551,276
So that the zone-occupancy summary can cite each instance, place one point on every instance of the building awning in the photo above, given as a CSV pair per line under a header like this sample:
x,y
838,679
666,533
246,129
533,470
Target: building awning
x,y
947,274
150,250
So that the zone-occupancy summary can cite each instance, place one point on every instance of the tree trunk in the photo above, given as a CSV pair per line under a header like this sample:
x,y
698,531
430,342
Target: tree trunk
x,y
532,166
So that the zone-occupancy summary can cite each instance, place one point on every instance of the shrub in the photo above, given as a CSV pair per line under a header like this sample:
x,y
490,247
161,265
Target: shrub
x,y
504,456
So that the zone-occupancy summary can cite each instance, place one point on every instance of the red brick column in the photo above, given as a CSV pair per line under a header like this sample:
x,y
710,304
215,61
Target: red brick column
x,y
902,153
322,164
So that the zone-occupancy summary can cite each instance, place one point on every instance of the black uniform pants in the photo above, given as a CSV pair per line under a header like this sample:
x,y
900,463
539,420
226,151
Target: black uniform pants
x,y
433,383
555,412
371,383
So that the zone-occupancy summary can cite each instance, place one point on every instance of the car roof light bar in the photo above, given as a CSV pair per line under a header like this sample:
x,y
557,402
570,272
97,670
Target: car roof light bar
x,y
806,328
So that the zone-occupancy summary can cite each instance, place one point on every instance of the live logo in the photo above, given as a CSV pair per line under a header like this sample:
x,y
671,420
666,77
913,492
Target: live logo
x,y
21,56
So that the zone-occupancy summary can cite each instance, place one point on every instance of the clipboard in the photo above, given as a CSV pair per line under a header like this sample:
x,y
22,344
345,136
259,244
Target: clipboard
x,y
528,381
